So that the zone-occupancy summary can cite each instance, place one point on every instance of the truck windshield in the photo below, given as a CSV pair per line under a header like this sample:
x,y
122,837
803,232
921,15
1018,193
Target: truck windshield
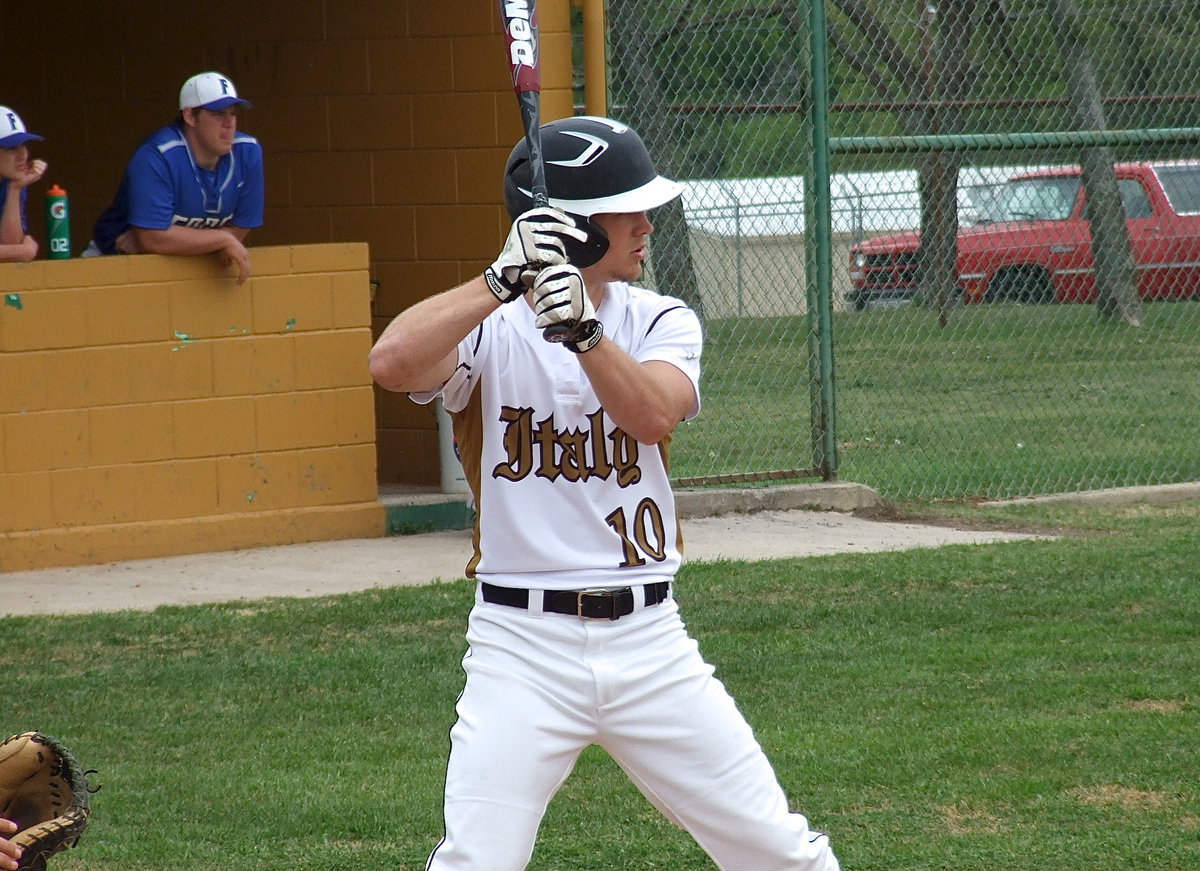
x,y
1182,187
1036,199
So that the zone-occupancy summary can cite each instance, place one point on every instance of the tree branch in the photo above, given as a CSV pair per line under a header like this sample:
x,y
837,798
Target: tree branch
x,y
861,65
890,51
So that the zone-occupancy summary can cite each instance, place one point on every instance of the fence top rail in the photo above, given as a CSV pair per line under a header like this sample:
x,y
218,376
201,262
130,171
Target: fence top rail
x,y
1010,141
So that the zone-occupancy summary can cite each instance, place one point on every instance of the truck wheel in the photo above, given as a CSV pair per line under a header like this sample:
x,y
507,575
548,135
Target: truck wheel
x,y
1025,284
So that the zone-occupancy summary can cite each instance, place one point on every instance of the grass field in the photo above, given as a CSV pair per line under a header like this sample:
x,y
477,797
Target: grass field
x,y
1031,706
1006,400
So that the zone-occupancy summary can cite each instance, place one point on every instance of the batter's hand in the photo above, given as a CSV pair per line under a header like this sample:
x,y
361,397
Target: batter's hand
x,y
560,298
537,239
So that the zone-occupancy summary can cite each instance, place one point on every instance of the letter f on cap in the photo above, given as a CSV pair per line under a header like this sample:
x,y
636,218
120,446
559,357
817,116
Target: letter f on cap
x,y
209,91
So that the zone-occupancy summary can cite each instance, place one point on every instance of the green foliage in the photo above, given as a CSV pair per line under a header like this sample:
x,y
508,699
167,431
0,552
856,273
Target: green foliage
x,y
978,707
752,59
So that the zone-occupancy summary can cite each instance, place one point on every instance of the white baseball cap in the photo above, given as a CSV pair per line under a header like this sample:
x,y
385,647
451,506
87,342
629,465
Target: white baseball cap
x,y
12,129
209,91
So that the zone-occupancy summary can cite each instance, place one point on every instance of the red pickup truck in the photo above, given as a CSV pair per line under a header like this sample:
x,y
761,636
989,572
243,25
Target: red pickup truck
x,y
1033,244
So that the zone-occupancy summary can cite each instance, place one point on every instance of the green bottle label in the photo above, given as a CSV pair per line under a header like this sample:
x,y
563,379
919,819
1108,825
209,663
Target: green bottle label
x,y
58,227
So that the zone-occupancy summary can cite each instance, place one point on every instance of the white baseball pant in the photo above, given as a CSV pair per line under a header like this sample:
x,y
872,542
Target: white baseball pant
x,y
542,687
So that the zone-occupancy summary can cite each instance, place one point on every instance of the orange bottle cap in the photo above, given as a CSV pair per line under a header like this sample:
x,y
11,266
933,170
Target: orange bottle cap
x,y
56,191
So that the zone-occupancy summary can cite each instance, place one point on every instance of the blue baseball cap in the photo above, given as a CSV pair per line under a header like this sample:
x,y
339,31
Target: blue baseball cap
x,y
12,129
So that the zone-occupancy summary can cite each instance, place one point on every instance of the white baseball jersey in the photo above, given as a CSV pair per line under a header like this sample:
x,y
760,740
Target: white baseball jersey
x,y
533,437
566,500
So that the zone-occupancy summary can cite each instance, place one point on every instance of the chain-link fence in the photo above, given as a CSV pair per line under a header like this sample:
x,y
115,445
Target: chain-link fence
x,y
1012,224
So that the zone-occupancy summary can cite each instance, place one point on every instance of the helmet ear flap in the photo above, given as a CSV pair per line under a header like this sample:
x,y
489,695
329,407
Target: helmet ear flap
x,y
517,202
587,253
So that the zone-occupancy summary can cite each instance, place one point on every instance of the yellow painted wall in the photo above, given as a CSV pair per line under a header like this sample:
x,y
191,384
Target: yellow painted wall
x,y
150,406
382,122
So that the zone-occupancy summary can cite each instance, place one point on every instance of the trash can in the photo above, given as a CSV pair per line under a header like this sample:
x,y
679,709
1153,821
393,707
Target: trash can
x,y
453,478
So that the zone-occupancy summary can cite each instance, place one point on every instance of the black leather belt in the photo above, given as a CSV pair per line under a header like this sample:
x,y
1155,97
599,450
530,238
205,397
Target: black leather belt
x,y
597,604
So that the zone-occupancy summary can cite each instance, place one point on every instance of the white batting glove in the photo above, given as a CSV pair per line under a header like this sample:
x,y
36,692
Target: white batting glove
x,y
536,240
564,310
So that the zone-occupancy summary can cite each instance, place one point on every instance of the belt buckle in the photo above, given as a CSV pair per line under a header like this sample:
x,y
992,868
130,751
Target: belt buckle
x,y
579,597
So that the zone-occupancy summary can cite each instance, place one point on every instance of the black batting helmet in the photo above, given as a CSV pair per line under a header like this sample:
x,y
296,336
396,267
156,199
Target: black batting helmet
x,y
593,165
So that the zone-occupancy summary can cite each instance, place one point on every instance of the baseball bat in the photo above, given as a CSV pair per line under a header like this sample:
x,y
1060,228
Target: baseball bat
x,y
519,19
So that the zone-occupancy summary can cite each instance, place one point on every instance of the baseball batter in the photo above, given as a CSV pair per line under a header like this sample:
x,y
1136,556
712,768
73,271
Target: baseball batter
x,y
575,637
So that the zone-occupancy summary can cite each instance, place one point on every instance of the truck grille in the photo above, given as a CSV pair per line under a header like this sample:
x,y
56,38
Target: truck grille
x,y
888,270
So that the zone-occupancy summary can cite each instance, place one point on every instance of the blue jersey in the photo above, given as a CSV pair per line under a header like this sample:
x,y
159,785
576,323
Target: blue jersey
x,y
24,196
164,187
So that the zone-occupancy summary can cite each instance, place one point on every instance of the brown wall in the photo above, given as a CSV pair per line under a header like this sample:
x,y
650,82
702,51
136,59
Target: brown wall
x,y
383,122
149,406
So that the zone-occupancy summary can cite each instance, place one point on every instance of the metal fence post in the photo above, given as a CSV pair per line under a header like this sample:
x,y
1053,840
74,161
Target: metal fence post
x,y
818,248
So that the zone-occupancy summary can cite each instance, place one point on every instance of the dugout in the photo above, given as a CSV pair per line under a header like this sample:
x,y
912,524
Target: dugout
x,y
384,123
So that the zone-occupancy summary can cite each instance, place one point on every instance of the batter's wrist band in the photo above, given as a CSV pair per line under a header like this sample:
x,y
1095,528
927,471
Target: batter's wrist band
x,y
592,339
501,288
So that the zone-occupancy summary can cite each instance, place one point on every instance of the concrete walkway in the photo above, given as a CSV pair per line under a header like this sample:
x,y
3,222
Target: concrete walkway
x,y
773,523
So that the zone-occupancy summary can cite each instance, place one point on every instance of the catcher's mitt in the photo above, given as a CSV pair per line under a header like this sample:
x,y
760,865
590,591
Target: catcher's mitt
x,y
45,792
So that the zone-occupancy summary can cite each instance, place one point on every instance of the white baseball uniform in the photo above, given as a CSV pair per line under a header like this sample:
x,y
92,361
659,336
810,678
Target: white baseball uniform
x,y
566,501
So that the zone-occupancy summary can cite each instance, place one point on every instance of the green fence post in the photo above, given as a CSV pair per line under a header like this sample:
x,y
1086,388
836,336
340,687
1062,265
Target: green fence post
x,y
818,252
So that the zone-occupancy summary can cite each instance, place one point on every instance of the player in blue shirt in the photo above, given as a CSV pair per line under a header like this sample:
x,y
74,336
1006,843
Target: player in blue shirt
x,y
17,173
193,187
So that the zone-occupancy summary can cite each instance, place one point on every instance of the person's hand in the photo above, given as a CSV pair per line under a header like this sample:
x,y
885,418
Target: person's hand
x,y
235,254
28,248
9,852
537,239
127,243
560,301
29,173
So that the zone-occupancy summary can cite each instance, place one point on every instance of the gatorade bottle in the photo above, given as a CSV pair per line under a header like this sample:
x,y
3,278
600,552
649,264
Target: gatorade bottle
x,y
58,223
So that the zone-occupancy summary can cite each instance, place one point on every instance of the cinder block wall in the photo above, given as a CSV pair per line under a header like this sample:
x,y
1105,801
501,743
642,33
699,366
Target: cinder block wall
x,y
149,406
385,123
